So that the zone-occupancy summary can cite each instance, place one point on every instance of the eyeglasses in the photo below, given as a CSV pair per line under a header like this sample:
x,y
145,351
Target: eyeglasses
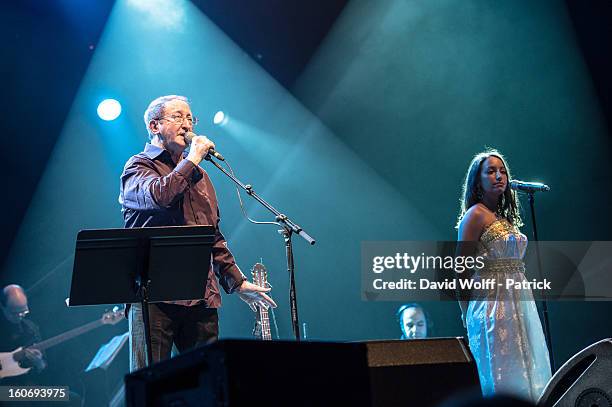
x,y
20,314
177,118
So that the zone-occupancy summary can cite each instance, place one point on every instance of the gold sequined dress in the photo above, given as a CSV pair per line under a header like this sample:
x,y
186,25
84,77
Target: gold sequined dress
x,y
504,329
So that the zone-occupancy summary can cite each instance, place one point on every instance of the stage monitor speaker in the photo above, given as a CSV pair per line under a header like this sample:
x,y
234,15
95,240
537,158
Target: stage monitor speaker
x,y
583,381
420,372
250,373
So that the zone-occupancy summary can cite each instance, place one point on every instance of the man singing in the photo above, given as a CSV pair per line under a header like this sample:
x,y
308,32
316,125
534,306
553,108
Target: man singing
x,y
164,186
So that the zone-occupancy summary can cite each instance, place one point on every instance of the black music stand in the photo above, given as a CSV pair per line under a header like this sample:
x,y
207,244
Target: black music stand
x,y
141,265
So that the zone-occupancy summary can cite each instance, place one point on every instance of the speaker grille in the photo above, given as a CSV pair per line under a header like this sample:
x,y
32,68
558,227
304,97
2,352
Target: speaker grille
x,y
593,398
417,352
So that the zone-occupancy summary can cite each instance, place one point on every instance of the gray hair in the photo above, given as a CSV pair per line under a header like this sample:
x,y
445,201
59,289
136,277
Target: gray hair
x,y
155,110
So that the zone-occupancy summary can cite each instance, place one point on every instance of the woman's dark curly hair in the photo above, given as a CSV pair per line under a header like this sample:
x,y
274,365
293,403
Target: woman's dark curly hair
x,y
507,207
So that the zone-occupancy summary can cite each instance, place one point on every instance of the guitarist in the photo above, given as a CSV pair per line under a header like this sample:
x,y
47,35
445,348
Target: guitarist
x,y
17,331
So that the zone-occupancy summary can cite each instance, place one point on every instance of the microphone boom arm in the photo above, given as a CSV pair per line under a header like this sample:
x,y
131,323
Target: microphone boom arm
x,y
282,218
289,227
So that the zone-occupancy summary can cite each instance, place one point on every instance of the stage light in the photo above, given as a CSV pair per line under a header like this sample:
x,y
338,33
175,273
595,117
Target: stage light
x,y
169,14
220,118
109,109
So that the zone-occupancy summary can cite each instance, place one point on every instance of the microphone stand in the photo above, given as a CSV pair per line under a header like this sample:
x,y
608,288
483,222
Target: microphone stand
x,y
531,195
289,227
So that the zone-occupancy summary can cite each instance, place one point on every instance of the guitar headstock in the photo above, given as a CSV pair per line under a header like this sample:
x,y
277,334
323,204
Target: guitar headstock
x,y
114,316
260,275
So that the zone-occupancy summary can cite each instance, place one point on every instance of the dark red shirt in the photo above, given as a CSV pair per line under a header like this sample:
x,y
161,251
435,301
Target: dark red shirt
x,y
157,192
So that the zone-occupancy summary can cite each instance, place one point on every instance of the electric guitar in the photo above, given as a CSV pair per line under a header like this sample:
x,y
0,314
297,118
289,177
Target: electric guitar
x,y
262,323
9,361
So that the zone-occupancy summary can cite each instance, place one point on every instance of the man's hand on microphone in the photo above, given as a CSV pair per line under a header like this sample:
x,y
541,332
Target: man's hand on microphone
x,y
255,295
199,149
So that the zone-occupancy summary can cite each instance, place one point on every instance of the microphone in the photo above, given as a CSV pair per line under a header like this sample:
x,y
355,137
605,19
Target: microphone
x,y
529,187
189,137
